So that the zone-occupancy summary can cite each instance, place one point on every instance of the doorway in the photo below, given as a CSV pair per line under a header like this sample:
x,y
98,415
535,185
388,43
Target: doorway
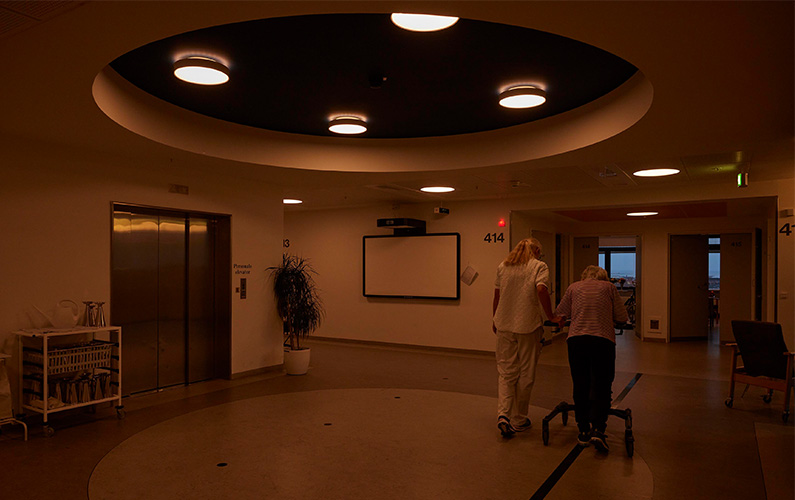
x,y
713,279
171,294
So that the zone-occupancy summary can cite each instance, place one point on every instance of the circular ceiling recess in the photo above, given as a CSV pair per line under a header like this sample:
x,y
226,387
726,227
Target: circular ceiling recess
x,y
296,74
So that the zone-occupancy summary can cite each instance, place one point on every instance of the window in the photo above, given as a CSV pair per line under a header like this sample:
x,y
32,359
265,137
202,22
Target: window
x,y
619,262
714,262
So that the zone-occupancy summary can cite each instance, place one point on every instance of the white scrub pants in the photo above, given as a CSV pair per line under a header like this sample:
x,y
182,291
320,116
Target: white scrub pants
x,y
517,356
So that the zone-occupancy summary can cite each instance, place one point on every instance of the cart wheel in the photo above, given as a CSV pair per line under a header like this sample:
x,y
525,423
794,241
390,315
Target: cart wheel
x,y
629,440
120,413
729,402
767,397
545,436
49,431
565,417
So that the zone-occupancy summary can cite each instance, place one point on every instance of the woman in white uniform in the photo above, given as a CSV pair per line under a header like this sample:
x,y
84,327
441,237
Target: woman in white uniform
x,y
521,299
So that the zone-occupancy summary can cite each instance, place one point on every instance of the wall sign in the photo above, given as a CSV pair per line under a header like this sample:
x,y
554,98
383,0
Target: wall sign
x,y
494,238
242,268
786,229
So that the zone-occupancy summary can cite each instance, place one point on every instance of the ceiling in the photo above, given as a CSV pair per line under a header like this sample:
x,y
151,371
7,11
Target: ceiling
x,y
712,95
290,74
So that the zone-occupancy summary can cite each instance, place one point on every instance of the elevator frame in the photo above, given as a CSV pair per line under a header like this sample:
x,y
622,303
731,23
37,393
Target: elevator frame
x,y
222,281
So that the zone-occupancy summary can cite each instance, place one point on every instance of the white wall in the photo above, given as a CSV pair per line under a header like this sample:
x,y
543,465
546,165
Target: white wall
x,y
55,224
332,240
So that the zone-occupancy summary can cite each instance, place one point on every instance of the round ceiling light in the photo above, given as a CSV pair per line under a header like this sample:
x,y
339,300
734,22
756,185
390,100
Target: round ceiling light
x,y
201,71
423,22
641,214
656,172
347,125
291,201
437,189
522,96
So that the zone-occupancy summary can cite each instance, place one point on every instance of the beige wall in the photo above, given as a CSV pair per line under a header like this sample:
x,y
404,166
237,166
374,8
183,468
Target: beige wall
x,y
56,226
332,240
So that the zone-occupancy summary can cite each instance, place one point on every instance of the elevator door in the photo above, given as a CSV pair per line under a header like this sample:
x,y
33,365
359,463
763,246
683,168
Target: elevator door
x,y
162,295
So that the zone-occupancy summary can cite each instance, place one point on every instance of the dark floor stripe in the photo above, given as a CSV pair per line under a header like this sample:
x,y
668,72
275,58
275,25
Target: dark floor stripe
x,y
626,390
553,478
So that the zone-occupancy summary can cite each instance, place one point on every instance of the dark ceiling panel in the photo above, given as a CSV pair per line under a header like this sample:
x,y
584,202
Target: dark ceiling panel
x,y
291,74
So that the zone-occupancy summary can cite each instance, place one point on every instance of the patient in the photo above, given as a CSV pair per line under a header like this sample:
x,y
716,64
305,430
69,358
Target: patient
x,y
594,306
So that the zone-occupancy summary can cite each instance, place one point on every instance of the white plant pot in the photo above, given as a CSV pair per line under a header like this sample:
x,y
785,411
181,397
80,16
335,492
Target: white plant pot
x,y
296,362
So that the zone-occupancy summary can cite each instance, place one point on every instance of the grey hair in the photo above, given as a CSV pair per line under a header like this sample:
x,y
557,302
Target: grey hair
x,y
595,273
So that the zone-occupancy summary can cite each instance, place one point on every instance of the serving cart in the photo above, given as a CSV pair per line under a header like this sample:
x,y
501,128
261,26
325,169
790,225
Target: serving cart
x,y
63,369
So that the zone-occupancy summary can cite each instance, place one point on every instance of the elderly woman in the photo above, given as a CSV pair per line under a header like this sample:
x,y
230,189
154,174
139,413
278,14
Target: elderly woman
x,y
521,298
594,306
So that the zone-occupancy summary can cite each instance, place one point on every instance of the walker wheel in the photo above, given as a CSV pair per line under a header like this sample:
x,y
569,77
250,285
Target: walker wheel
x,y
729,402
767,398
120,413
629,440
545,436
565,417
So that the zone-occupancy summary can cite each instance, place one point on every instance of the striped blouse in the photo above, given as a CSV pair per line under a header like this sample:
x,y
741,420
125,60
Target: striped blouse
x,y
593,306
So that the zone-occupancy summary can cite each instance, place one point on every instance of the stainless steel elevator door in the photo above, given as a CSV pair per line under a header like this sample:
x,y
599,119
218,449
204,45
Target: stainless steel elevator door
x,y
201,317
134,299
168,297
171,296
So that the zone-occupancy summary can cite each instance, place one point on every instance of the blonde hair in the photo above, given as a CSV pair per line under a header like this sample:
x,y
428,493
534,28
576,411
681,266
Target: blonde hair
x,y
525,250
595,273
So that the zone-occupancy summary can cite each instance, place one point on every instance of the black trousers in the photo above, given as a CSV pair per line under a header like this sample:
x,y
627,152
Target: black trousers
x,y
592,361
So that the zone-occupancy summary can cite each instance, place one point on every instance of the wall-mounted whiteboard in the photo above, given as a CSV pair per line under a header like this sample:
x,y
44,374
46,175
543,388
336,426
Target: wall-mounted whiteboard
x,y
412,266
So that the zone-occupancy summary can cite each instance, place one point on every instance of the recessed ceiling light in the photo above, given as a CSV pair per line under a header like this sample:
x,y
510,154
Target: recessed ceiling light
x,y
656,172
347,125
291,201
522,96
423,22
437,189
201,71
642,214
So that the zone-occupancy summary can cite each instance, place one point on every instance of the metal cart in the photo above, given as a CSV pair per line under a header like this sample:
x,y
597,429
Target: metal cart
x,y
11,419
63,369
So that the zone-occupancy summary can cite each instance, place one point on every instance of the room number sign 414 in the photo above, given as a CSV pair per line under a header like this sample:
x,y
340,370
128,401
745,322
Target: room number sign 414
x,y
494,238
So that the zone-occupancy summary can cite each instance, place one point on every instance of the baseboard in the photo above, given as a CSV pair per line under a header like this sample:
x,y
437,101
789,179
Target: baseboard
x,y
395,345
257,371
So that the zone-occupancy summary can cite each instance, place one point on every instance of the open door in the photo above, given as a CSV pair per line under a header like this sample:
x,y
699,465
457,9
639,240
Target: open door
x,y
737,281
586,253
689,287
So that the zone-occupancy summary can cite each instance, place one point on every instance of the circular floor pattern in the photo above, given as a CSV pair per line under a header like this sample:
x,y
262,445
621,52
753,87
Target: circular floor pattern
x,y
360,444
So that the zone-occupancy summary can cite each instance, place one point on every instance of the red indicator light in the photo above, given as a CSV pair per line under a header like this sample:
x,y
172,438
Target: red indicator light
x,y
501,223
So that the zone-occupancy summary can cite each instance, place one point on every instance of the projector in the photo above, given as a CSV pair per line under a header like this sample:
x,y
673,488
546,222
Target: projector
x,y
441,210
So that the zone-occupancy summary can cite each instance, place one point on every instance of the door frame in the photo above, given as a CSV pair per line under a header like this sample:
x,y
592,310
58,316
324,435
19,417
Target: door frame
x,y
222,338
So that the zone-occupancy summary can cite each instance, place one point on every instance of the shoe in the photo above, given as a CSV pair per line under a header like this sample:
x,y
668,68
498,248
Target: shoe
x,y
505,427
599,440
584,439
523,426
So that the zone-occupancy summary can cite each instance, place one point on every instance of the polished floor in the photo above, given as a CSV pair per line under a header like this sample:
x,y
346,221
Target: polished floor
x,y
384,422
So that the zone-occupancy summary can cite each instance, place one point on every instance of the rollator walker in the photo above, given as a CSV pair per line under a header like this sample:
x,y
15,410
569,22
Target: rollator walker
x,y
564,408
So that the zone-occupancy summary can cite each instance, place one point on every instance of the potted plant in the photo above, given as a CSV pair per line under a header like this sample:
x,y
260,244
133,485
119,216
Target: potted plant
x,y
298,304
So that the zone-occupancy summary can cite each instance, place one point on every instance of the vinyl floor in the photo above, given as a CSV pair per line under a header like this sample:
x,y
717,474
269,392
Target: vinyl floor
x,y
384,422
